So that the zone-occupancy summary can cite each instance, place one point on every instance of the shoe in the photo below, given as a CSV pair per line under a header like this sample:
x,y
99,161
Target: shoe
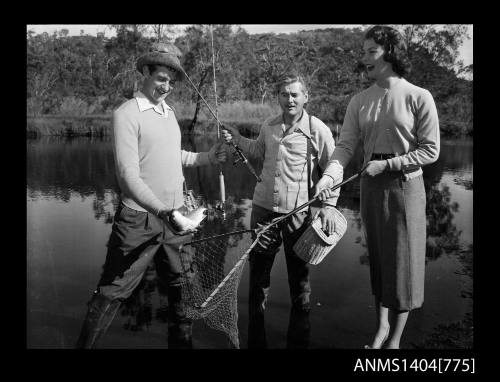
x,y
382,343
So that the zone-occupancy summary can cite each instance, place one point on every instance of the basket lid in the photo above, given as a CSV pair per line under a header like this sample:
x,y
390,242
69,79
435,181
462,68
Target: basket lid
x,y
340,228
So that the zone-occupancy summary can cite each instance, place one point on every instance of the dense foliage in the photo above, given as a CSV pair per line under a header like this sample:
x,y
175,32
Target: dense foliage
x,y
81,75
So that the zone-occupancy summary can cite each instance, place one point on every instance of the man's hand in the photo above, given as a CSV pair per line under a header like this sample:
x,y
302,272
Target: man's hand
x,y
217,153
164,214
375,167
268,239
230,134
327,220
176,222
322,188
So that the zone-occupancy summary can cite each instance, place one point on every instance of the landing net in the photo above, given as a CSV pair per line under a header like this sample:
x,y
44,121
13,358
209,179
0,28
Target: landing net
x,y
213,270
213,264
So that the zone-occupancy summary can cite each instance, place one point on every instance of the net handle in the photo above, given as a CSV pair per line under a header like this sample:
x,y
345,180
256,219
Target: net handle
x,y
228,276
280,219
260,231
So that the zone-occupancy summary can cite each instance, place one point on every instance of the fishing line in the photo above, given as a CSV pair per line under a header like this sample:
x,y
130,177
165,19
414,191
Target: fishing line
x,y
222,187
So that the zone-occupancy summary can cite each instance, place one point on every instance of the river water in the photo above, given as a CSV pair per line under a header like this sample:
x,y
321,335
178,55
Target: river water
x,y
71,199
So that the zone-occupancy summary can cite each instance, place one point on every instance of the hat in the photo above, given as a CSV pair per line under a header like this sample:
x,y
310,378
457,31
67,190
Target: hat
x,y
165,54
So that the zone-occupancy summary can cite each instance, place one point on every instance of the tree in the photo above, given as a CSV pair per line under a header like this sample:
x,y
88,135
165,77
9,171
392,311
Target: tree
x,y
97,74
441,42
163,32
199,58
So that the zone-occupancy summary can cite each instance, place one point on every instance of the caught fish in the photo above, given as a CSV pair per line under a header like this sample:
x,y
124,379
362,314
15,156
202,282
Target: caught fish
x,y
197,215
189,222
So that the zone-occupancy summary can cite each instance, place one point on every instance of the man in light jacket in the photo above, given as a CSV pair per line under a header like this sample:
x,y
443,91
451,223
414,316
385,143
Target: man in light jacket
x,y
283,145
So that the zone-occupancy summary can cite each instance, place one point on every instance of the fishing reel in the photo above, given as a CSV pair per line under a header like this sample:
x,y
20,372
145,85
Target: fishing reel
x,y
219,211
238,155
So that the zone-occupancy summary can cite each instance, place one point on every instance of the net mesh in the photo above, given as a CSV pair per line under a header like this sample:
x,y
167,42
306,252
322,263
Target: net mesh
x,y
213,264
213,270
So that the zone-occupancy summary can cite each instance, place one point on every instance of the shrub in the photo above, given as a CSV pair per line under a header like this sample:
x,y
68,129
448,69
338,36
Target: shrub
x,y
73,106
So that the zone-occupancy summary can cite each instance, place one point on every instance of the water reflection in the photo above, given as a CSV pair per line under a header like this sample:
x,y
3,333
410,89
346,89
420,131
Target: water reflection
x,y
443,235
72,172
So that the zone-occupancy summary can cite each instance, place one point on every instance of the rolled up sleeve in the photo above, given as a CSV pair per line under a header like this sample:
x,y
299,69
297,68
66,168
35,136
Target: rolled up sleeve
x,y
254,147
192,159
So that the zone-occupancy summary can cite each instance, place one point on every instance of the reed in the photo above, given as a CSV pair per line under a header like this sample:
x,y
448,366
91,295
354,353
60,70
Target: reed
x,y
58,125
228,112
244,115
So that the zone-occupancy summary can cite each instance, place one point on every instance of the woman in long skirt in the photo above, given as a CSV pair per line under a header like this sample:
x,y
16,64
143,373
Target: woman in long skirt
x,y
397,124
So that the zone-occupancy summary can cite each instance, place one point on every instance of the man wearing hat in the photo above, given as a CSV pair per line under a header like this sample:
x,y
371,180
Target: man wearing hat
x,y
148,160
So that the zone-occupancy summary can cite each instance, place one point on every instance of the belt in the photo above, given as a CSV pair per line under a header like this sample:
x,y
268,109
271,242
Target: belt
x,y
382,156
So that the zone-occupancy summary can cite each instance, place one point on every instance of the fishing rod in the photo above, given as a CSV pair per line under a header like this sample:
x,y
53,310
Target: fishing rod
x,y
278,220
222,187
260,231
241,156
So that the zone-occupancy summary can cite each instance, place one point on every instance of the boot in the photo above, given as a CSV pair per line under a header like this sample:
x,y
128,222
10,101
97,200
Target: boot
x,y
100,314
180,335
179,326
299,327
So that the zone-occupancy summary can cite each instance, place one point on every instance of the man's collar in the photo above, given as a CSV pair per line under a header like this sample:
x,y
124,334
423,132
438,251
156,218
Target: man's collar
x,y
144,103
302,124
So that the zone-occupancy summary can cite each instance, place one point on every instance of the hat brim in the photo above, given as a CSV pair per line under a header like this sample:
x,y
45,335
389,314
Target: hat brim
x,y
163,59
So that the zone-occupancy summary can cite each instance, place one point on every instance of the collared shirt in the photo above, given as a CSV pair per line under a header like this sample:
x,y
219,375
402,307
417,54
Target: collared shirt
x,y
402,120
148,155
284,152
144,104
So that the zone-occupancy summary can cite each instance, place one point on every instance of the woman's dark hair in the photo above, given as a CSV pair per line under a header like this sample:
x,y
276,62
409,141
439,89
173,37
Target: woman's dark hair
x,y
394,46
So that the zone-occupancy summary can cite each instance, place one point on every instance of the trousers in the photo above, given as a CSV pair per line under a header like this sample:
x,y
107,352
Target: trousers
x,y
261,261
137,239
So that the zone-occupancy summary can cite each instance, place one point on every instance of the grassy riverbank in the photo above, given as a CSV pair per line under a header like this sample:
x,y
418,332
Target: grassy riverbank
x,y
246,115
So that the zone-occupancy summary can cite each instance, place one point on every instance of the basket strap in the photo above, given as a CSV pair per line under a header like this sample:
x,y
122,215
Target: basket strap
x,y
309,150
310,186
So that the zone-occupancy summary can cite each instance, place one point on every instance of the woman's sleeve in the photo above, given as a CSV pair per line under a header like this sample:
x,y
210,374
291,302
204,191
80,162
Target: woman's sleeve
x,y
428,137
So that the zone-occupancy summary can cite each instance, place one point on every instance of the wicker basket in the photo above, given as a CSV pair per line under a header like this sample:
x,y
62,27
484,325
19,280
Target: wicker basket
x,y
314,244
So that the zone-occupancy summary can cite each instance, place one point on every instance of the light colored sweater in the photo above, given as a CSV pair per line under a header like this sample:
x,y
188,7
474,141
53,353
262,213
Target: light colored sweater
x,y
402,120
148,155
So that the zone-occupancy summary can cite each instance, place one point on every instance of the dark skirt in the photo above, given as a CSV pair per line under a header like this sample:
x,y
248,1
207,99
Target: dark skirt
x,y
393,215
